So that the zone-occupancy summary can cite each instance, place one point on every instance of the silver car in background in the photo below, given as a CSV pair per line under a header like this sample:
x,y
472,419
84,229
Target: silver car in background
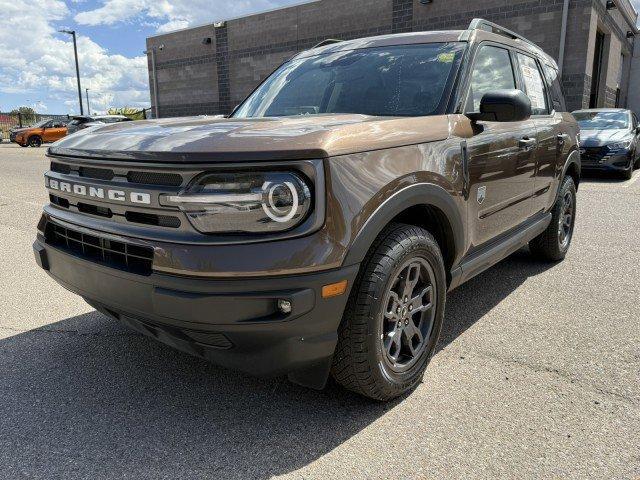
x,y
84,121
609,140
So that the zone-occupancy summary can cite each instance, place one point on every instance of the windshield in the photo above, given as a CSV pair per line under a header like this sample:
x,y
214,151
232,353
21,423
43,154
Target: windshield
x,y
602,120
406,80
41,123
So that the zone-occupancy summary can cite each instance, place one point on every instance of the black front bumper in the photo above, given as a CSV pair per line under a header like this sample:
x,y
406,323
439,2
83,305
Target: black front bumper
x,y
601,158
235,323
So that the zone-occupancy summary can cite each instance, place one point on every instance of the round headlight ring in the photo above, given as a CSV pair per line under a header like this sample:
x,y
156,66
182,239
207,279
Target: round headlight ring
x,y
270,206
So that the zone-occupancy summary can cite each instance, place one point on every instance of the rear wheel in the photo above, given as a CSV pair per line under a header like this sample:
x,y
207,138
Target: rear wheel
x,y
34,141
394,315
553,244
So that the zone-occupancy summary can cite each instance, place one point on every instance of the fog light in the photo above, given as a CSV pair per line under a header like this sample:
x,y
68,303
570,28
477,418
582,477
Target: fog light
x,y
284,306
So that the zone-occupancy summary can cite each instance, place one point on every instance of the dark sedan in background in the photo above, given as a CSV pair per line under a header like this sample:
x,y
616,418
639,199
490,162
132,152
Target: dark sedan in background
x,y
609,140
85,121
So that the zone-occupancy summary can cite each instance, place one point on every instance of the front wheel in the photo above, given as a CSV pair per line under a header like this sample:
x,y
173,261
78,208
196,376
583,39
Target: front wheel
x,y
35,141
628,173
394,315
553,244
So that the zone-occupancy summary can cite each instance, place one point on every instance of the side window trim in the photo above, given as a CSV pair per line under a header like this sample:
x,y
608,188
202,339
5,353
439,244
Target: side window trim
x,y
467,83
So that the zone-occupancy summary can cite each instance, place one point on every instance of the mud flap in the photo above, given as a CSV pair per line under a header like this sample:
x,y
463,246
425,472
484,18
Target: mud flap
x,y
314,376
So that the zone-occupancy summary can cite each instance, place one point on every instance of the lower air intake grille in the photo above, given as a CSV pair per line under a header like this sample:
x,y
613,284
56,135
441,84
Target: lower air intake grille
x,y
114,254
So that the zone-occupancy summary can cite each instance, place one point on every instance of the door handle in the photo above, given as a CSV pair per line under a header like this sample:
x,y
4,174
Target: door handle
x,y
527,143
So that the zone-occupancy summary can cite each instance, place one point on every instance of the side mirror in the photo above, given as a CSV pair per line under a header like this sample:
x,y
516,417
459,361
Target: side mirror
x,y
637,129
503,106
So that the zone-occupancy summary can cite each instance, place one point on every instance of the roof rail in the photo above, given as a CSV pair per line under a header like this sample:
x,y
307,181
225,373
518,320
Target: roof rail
x,y
486,25
327,41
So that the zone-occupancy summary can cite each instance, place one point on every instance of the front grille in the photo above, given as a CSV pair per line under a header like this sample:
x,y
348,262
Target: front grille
x,y
593,154
60,168
139,177
111,253
94,210
155,178
142,218
99,180
59,201
97,173
152,219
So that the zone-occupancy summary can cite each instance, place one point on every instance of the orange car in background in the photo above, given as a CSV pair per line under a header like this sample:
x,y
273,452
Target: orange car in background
x,y
42,132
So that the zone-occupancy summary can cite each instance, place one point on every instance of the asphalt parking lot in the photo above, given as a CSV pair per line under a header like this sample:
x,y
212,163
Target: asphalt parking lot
x,y
537,375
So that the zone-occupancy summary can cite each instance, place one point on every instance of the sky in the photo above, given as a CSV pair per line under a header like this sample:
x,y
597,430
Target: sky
x,y
36,62
37,66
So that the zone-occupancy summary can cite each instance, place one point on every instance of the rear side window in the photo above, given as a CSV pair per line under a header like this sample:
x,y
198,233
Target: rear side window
x,y
492,70
557,95
534,85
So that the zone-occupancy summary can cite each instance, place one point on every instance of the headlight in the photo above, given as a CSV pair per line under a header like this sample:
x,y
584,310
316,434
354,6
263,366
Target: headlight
x,y
245,202
619,145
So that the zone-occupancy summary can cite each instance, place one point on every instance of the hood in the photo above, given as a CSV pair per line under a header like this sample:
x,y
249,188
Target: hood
x,y
210,139
598,138
20,129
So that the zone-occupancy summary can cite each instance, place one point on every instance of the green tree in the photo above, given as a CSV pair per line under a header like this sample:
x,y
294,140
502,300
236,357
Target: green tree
x,y
28,114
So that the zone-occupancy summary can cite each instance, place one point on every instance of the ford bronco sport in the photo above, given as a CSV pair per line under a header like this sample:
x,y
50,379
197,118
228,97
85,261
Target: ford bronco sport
x,y
317,230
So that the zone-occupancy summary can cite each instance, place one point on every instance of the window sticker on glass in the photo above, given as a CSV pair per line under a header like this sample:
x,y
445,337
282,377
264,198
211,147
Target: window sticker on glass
x,y
533,83
446,57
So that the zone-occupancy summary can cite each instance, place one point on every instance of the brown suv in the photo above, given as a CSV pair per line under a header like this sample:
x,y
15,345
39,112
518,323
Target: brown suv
x,y
318,229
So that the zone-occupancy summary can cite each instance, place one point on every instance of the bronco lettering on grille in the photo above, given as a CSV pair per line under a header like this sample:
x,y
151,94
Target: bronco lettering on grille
x,y
98,192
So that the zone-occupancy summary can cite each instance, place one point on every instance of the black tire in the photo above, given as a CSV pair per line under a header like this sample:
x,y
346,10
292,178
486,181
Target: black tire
x,y
362,363
553,244
25,145
628,173
34,141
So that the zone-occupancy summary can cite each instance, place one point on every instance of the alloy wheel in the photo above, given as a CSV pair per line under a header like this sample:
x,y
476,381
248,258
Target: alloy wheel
x,y
409,314
565,226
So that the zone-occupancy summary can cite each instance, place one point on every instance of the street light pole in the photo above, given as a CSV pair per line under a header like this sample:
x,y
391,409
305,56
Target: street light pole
x,y
75,51
88,107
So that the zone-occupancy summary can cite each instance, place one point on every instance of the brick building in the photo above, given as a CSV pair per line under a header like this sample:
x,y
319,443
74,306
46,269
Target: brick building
x,y
209,69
